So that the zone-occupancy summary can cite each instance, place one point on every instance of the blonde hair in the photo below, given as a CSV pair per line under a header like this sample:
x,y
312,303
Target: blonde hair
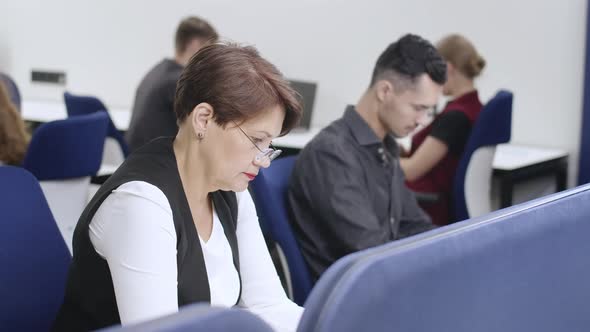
x,y
461,53
14,137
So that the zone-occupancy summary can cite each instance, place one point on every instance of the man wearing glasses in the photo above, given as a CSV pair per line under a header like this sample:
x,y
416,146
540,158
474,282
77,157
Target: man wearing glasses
x,y
347,190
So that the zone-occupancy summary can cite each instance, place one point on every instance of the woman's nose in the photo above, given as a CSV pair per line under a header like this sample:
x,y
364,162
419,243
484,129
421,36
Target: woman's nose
x,y
263,162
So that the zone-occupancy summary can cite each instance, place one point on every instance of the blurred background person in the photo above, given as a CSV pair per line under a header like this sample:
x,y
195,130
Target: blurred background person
x,y
153,110
436,150
14,137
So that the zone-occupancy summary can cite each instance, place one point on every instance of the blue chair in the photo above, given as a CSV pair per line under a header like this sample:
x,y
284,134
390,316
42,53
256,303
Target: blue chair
x,y
517,269
269,190
473,177
82,105
12,90
63,155
33,255
200,317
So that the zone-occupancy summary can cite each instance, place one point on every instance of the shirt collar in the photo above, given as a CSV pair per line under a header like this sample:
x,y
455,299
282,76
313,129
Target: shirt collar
x,y
363,134
359,128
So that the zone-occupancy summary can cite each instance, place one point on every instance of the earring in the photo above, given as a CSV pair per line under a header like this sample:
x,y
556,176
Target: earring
x,y
200,136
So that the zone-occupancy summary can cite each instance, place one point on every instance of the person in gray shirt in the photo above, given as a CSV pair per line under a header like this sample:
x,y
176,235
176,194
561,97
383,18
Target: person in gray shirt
x,y
347,190
153,110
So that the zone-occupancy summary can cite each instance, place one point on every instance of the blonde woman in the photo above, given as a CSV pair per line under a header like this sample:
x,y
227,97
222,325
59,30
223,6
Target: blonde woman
x,y
436,149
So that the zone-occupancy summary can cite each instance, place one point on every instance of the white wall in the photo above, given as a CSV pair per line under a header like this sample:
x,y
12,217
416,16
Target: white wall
x,y
534,48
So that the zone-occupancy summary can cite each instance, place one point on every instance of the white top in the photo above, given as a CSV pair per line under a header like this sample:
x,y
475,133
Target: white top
x,y
133,230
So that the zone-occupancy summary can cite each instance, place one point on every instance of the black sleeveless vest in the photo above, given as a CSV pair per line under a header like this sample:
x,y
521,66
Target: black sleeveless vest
x,y
90,301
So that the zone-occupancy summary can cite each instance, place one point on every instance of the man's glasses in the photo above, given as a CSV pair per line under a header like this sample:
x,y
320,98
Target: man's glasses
x,y
271,153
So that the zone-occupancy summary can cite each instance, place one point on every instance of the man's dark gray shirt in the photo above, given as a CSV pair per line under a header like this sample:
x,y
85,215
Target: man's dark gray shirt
x,y
347,193
153,110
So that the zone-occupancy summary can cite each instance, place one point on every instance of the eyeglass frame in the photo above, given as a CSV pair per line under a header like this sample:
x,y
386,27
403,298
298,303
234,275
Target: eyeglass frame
x,y
271,152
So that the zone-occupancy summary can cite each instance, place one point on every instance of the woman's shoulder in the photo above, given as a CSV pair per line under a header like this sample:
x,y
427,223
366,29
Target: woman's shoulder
x,y
468,102
143,190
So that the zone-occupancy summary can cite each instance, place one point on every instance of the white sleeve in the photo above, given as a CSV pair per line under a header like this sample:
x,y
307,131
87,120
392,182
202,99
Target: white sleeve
x,y
262,292
133,230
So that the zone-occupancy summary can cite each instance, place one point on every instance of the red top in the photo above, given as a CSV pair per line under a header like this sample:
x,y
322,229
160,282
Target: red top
x,y
452,126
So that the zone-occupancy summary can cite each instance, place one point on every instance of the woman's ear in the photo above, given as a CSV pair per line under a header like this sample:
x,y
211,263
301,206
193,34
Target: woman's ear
x,y
450,68
201,118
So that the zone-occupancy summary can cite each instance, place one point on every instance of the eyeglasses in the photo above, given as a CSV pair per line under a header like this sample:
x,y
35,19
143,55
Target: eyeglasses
x,y
271,153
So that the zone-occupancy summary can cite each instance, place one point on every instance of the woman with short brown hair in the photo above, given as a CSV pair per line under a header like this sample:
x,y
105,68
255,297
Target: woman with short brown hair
x,y
175,224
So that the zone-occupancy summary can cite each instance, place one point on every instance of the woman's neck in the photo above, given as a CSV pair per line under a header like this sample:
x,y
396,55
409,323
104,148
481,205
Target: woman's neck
x,y
367,109
194,177
463,88
192,169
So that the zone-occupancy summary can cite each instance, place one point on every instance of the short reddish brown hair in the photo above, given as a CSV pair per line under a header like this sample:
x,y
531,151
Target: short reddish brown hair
x,y
238,83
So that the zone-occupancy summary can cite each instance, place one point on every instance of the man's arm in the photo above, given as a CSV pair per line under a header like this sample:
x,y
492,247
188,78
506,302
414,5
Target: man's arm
x,y
414,220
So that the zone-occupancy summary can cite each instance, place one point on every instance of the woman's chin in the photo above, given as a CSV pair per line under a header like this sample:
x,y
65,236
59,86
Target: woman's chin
x,y
239,186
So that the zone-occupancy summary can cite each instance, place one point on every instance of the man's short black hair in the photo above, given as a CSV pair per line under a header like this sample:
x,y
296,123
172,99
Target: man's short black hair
x,y
406,59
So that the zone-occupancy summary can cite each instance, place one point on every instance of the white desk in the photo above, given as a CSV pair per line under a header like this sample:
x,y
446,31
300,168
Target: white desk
x,y
45,111
515,163
508,156
296,139
106,170
511,156
512,163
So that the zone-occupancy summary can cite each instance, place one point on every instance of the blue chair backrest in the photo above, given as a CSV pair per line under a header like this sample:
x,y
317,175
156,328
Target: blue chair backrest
x,y
12,90
34,258
83,105
269,189
328,283
322,290
523,268
200,317
492,127
67,148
